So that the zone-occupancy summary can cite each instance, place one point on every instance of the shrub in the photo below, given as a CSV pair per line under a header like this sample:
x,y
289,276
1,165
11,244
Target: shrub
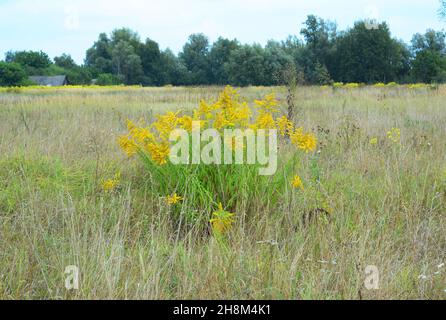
x,y
107,79
11,74
203,187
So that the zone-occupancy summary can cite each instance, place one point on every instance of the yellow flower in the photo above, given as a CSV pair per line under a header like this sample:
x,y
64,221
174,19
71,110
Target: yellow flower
x,y
166,124
227,99
352,85
142,135
297,183
266,121
186,123
159,152
304,141
296,135
110,185
374,141
173,199
130,125
394,135
269,103
284,125
222,220
241,115
204,110
128,145
221,122
308,143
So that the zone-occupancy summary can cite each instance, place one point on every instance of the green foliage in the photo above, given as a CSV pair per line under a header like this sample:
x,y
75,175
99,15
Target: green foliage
x,y
369,55
99,56
11,74
195,56
324,55
246,66
150,55
107,79
429,64
65,61
322,75
32,61
219,56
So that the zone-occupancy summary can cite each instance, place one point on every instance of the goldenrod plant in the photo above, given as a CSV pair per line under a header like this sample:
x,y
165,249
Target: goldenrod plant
x,y
205,186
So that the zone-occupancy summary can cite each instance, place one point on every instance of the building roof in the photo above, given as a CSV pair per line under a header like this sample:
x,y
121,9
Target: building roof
x,y
54,81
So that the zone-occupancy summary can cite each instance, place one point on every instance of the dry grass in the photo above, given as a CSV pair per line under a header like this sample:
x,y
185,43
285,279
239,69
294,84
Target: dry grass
x,y
388,203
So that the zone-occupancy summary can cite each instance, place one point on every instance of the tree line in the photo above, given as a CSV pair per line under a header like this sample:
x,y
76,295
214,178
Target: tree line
x,y
365,53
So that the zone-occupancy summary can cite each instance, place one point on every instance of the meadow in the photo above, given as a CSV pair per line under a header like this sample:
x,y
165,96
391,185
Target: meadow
x,y
373,194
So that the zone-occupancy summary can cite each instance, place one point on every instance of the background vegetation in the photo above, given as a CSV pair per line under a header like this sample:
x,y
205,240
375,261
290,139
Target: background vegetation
x,y
366,53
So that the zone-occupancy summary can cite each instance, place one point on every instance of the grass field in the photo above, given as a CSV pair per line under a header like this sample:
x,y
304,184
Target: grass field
x,y
386,198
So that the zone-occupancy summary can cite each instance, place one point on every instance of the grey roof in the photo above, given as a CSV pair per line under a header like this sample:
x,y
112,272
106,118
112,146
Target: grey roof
x,y
50,81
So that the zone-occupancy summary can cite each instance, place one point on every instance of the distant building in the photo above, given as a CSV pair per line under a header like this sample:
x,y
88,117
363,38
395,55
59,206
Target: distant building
x,y
55,81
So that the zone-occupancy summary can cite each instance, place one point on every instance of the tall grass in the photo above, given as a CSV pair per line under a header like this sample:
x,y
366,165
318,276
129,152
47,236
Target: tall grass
x,y
386,202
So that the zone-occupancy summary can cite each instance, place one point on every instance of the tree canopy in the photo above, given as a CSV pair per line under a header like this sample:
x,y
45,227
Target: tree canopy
x,y
321,54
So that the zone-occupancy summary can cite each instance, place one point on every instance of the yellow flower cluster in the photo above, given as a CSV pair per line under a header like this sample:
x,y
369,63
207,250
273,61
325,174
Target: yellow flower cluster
x,y
417,86
222,220
297,183
394,135
110,185
229,111
352,85
173,199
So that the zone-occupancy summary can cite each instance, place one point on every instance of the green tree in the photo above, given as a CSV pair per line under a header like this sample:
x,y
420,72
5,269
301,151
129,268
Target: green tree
x,y
34,62
195,56
126,63
320,37
65,61
11,74
219,55
150,55
173,70
432,40
99,56
369,56
276,60
322,75
429,64
126,35
246,66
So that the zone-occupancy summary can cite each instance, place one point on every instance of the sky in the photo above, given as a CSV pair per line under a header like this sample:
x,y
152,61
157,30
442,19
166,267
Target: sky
x,y
68,26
